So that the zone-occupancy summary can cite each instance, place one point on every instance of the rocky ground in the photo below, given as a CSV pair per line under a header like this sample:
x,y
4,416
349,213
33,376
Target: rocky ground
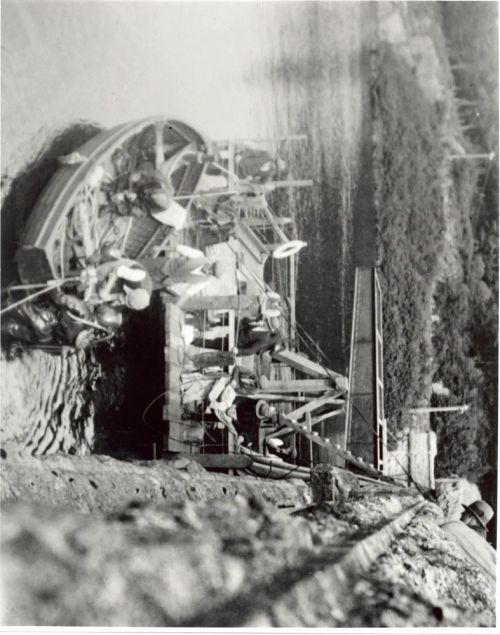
x,y
187,548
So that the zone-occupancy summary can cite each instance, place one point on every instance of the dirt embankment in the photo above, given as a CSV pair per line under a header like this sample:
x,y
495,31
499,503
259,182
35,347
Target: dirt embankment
x,y
55,403
239,562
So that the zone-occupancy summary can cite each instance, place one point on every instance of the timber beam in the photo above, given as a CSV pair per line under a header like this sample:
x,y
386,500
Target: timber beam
x,y
297,385
331,397
287,430
219,302
334,450
308,367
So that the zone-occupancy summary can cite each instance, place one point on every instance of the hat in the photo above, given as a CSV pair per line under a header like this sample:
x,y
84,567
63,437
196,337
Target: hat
x,y
137,299
131,273
173,215
481,511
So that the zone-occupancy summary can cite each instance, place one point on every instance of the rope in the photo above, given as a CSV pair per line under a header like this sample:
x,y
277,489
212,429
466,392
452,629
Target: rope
x,y
95,325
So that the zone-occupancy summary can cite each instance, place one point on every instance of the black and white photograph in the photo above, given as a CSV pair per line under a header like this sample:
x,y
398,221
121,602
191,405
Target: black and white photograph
x,y
249,315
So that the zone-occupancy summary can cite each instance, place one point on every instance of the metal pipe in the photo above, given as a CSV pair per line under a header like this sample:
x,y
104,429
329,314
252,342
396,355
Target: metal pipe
x,y
30,297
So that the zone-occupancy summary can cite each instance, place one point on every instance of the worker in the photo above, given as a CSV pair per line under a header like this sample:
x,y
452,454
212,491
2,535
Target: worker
x,y
124,282
477,516
197,387
220,395
469,534
183,270
252,340
277,447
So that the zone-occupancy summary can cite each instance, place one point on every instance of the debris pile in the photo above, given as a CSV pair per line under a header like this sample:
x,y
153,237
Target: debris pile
x,y
238,562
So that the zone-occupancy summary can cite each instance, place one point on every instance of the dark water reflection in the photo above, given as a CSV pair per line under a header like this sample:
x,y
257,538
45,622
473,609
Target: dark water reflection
x,y
319,76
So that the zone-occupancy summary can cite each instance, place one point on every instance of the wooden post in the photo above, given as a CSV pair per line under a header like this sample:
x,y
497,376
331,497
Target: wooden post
x,y
327,415
309,429
292,282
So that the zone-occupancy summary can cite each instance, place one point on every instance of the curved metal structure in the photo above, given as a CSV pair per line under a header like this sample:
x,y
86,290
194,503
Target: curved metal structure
x,y
167,138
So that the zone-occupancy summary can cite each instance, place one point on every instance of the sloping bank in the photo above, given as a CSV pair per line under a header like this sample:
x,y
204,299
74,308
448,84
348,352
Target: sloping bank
x,y
190,549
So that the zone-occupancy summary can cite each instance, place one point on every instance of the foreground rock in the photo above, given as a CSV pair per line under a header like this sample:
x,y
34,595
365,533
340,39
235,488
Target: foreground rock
x,y
239,562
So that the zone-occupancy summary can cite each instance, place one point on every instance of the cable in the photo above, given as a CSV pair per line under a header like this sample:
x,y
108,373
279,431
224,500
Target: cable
x,y
47,289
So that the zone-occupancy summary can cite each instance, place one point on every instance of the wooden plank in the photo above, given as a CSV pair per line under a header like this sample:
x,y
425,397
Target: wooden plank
x,y
221,461
315,420
298,385
308,367
329,397
292,290
217,302
269,396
